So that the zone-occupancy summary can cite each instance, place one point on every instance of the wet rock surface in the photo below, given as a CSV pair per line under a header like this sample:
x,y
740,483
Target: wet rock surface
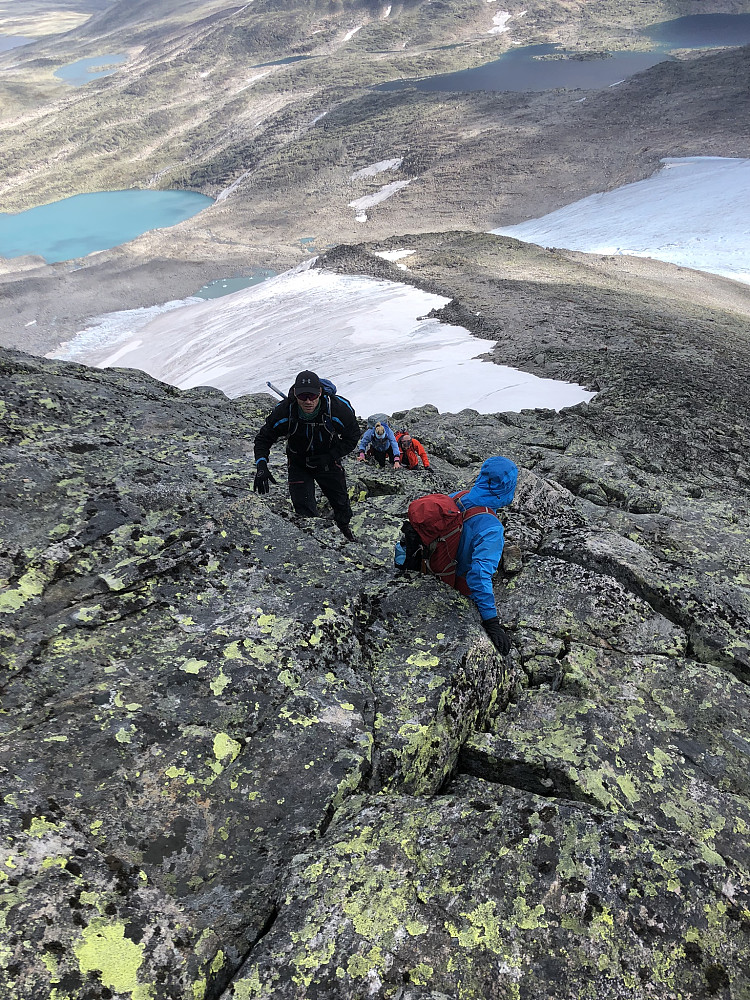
x,y
242,758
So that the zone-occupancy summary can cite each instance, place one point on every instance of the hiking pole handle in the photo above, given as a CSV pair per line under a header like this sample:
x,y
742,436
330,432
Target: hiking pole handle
x,y
276,390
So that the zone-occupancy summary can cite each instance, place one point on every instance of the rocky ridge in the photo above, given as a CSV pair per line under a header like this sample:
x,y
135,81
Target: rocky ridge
x,y
243,759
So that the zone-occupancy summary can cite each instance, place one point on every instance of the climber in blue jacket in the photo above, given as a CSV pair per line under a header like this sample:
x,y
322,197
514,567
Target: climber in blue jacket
x,y
379,442
481,544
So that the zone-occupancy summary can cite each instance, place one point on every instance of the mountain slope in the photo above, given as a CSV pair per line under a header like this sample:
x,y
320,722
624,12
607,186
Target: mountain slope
x,y
246,759
204,101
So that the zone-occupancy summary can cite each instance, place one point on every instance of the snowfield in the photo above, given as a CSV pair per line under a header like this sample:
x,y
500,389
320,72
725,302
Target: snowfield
x,y
372,337
695,212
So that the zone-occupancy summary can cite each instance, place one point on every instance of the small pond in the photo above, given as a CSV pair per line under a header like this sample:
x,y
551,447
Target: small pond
x,y
85,70
700,31
225,286
85,223
13,42
526,69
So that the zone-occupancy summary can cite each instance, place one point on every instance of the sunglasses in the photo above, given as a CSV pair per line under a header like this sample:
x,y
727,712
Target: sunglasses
x,y
307,397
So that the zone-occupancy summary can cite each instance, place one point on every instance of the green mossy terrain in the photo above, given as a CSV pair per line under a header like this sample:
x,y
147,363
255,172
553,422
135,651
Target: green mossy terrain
x,y
243,758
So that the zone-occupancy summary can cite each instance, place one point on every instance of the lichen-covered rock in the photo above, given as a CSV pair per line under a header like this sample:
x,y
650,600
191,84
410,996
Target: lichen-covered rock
x,y
242,757
194,681
437,678
488,891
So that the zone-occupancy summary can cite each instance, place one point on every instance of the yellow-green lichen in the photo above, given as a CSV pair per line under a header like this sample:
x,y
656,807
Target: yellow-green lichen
x,y
105,949
225,746
193,666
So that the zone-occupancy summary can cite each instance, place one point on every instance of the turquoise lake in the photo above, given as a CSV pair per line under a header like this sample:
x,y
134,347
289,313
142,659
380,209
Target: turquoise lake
x,y
84,70
74,227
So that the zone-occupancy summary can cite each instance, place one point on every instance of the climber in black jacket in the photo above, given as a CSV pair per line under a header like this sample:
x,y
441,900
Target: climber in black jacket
x,y
320,428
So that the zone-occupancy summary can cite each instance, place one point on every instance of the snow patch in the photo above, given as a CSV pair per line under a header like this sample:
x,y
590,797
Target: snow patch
x,y
694,212
251,80
500,22
370,336
360,204
353,32
377,168
387,11
393,254
223,195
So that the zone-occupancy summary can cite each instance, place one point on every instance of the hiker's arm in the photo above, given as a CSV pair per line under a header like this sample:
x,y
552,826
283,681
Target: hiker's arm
x,y
348,434
422,453
276,426
365,439
393,443
485,558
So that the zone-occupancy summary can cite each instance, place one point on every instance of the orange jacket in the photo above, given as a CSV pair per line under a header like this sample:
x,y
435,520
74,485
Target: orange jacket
x,y
410,456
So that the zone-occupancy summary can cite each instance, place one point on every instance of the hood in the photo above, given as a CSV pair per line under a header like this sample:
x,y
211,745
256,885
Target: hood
x,y
495,484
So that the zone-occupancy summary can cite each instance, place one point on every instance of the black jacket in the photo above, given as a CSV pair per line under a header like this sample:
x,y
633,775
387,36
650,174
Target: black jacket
x,y
333,432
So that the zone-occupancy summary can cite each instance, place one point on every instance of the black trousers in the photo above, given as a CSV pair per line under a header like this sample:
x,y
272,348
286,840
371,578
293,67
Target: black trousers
x,y
380,456
332,481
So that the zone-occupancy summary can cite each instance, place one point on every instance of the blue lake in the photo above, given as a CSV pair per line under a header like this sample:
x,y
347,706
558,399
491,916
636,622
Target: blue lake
x,y
74,227
13,42
522,69
84,70
701,31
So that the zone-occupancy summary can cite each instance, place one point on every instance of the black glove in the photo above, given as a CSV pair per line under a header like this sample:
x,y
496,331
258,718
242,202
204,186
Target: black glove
x,y
430,470
262,477
498,636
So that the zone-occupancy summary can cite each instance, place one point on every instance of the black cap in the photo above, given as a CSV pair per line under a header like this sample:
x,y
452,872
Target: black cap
x,y
307,382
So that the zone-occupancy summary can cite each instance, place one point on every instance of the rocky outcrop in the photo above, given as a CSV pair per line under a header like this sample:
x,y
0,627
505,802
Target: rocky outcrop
x,y
242,758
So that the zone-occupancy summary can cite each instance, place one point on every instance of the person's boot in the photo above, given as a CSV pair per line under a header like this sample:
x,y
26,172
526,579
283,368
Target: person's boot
x,y
347,532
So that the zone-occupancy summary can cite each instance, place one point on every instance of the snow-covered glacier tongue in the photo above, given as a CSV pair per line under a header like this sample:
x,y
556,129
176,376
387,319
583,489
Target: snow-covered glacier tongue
x,y
371,336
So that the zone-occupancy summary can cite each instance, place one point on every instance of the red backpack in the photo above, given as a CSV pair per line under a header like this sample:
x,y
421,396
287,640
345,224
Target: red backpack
x,y
438,520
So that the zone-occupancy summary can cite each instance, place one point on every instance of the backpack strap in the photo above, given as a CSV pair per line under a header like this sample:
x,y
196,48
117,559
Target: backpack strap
x,y
473,511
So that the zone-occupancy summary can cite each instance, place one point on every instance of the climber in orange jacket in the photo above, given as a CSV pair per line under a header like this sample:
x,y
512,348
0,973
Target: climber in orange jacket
x,y
412,451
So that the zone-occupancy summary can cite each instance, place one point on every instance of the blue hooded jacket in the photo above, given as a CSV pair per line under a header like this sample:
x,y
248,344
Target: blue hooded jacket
x,y
380,444
482,538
